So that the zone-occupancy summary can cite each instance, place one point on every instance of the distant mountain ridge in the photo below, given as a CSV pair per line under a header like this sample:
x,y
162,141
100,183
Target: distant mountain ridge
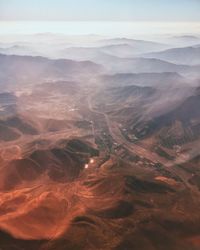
x,y
186,55
19,69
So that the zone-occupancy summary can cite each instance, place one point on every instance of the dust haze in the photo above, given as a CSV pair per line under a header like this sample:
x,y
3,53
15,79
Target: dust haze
x,y
99,142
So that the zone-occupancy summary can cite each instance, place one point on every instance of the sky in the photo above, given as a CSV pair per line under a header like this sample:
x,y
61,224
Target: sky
x,y
100,10
102,17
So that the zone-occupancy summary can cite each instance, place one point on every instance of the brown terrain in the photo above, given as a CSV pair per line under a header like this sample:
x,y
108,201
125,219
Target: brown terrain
x,y
96,158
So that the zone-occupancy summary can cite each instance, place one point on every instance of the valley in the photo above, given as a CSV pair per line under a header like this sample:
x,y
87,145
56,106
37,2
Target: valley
x,y
102,152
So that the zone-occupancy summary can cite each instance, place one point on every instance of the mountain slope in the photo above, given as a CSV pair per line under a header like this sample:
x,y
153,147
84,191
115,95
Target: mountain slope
x,y
187,55
17,69
176,127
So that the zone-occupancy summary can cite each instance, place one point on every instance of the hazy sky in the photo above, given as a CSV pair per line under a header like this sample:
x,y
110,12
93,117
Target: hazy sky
x,y
100,10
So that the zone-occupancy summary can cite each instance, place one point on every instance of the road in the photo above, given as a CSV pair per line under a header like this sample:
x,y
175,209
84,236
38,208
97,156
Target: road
x,y
117,136
142,152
